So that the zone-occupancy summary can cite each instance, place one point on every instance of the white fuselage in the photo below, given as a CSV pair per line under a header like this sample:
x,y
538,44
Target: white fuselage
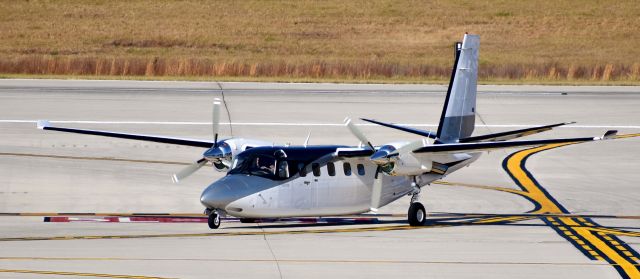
x,y
323,194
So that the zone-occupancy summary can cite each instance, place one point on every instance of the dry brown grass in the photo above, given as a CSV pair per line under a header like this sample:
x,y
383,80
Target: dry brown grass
x,y
588,40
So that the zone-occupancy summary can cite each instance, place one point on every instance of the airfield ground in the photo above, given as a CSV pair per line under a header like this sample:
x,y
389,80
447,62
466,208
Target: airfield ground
x,y
487,220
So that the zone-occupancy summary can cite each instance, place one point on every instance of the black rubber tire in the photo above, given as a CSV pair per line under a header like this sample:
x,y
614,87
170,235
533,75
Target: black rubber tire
x,y
214,221
417,214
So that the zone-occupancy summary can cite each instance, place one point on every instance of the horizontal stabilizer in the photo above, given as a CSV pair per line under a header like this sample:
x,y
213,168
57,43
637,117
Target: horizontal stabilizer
x,y
484,146
423,133
509,135
45,125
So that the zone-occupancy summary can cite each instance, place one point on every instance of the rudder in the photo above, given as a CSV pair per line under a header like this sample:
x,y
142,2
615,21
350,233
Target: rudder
x,y
458,114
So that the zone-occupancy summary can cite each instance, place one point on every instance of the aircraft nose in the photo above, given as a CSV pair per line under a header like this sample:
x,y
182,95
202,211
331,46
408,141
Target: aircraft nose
x,y
213,196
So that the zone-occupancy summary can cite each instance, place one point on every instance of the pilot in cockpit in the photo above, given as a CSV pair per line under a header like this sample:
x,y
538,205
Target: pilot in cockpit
x,y
266,165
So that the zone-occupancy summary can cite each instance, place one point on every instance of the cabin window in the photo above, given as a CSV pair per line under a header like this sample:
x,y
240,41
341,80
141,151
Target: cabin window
x,y
331,169
303,171
347,169
316,169
360,169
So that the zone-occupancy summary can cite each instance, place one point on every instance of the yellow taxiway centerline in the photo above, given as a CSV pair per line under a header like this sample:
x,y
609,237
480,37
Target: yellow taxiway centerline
x,y
515,166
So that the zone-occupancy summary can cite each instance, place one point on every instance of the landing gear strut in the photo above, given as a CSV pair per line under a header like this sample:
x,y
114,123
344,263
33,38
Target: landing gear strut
x,y
214,219
417,214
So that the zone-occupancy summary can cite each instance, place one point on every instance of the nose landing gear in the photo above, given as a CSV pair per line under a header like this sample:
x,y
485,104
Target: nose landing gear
x,y
214,218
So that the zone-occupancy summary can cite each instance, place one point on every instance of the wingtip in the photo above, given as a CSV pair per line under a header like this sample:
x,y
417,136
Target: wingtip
x,y
43,124
610,134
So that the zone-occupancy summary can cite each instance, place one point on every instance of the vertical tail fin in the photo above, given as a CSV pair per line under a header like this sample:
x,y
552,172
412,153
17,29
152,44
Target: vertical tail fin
x,y
458,114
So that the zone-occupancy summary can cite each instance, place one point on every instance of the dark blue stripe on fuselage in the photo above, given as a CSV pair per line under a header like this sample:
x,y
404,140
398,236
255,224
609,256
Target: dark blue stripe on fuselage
x,y
295,153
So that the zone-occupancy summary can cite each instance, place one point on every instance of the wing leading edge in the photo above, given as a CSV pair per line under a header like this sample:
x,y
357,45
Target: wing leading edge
x,y
513,134
45,125
485,146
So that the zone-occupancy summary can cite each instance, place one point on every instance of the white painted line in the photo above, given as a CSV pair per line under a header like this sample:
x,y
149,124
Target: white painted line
x,y
301,124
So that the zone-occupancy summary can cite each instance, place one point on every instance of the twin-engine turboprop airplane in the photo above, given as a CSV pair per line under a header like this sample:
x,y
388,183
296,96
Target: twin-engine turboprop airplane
x,y
268,180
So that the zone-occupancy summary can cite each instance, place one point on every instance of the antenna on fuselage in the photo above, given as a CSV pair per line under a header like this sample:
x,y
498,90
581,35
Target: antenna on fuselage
x,y
306,141
224,102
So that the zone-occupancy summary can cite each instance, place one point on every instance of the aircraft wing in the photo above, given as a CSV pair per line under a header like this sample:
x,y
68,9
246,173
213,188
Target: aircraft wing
x,y
512,134
485,146
45,125
423,133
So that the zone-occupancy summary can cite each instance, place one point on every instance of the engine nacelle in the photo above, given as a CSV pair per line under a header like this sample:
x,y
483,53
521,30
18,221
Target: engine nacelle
x,y
399,162
407,165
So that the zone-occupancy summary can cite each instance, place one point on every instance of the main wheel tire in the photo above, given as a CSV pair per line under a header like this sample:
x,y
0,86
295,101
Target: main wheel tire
x,y
214,221
417,214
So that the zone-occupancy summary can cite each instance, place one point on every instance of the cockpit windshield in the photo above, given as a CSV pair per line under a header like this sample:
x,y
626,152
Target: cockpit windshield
x,y
262,165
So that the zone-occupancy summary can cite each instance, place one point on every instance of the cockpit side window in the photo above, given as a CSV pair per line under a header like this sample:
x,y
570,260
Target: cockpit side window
x,y
316,169
360,169
283,169
258,165
264,163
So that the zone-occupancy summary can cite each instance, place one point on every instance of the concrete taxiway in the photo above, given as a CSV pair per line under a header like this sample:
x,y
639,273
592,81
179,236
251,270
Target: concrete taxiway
x,y
551,212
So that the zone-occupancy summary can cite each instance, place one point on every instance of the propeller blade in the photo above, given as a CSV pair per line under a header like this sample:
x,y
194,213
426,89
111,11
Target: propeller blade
x,y
357,133
376,191
189,170
215,121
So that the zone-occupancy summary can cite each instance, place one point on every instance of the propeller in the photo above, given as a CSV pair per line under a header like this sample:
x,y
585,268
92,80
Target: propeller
x,y
376,191
357,133
216,154
189,170
215,121
386,155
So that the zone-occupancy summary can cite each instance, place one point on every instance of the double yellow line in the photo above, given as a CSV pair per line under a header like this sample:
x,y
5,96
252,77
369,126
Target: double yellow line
x,y
591,235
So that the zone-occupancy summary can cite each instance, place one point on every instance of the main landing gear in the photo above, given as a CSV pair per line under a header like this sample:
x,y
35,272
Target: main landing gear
x,y
214,218
417,214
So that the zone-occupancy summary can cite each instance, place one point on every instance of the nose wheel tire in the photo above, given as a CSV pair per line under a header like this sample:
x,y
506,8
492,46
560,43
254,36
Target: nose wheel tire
x,y
417,214
214,220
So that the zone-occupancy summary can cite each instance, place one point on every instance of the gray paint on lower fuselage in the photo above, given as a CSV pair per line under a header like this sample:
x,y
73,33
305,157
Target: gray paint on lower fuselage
x,y
322,195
